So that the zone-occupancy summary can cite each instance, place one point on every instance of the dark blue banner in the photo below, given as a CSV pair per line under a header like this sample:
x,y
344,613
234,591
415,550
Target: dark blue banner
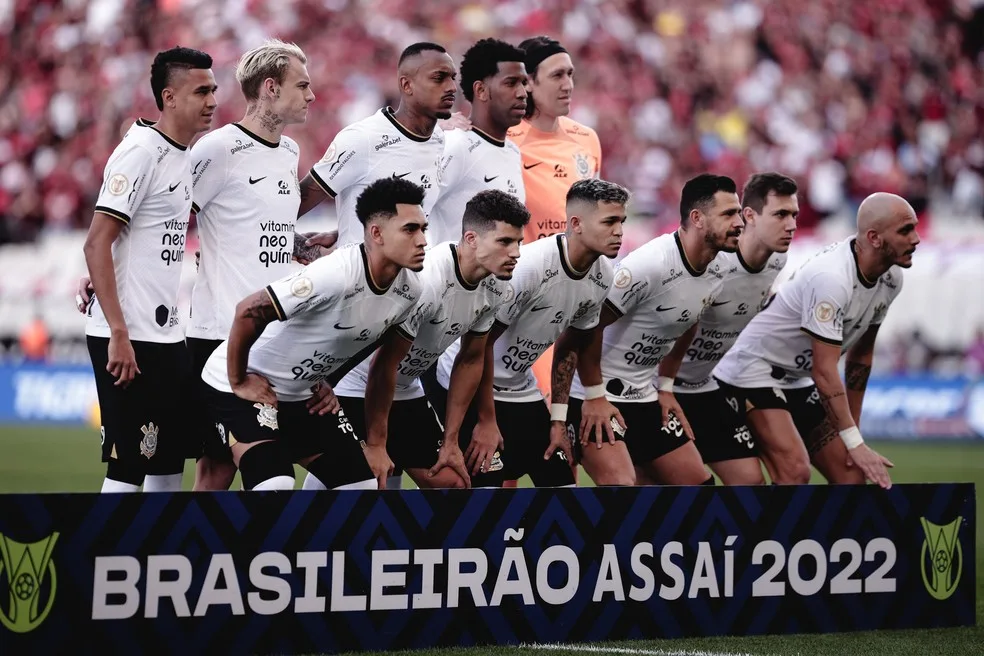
x,y
918,407
307,572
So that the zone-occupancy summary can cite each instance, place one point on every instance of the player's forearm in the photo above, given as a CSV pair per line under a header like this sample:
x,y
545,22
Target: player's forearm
x,y
669,366
311,195
252,317
466,377
857,369
102,273
564,365
379,401
485,398
589,361
833,397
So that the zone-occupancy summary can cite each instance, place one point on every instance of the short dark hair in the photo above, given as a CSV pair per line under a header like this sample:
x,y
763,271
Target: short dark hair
x,y
381,197
492,205
596,190
416,48
537,49
168,61
699,192
758,187
481,62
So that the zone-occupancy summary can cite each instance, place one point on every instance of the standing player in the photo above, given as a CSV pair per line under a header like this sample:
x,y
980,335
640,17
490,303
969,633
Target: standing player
x,y
246,197
559,282
406,143
658,293
493,80
769,209
328,312
462,291
832,305
134,252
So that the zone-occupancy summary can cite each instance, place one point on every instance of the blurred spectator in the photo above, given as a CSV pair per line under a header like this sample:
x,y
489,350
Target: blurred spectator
x,y
846,96
975,355
34,340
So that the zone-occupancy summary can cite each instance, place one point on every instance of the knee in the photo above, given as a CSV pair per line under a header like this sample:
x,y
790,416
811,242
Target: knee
x,y
793,472
265,466
616,477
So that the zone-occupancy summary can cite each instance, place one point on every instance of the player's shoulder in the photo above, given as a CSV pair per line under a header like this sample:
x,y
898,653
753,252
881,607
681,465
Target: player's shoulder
x,y
891,280
518,133
216,142
290,146
577,131
139,137
776,262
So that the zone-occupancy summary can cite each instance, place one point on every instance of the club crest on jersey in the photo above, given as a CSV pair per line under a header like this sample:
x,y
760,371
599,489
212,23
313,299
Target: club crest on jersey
x,y
220,429
148,445
266,416
118,184
623,278
581,165
302,287
824,312
495,462
879,314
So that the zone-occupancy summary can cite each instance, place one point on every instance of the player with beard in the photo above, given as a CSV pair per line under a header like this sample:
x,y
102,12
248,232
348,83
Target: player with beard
x,y
783,368
326,316
714,420
463,287
659,291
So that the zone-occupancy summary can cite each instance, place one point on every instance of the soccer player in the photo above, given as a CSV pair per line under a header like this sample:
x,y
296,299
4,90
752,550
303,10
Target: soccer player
x,y
559,282
658,292
406,143
328,313
134,252
769,209
783,368
493,80
463,288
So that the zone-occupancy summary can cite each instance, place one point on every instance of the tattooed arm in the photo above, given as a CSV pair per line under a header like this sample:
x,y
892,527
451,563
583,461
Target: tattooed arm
x,y
833,396
252,316
566,352
311,195
857,369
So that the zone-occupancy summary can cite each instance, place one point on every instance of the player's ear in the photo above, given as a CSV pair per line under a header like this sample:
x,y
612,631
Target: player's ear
x,y
406,85
480,90
696,218
271,87
374,232
747,214
167,95
574,223
469,237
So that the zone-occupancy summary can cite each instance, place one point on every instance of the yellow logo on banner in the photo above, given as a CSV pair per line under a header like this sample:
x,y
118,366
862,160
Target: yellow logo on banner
x,y
24,567
938,551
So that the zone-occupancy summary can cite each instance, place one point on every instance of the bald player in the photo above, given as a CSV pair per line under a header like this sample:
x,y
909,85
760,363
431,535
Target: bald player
x,y
783,368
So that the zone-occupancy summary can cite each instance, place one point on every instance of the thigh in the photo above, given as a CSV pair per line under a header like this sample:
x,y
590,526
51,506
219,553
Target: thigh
x,y
645,436
238,420
205,437
414,434
681,466
525,429
718,422
332,439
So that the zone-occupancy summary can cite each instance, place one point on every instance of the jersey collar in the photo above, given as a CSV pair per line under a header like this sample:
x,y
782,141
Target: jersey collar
x,y
457,271
144,123
867,284
745,264
488,137
376,289
256,137
683,256
571,272
413,136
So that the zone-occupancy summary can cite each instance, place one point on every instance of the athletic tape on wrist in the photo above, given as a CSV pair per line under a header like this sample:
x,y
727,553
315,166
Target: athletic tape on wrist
x,y
852,437
594,392
558,412
664,384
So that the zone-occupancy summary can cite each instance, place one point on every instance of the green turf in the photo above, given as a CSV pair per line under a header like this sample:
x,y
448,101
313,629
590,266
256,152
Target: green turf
x,y
65,459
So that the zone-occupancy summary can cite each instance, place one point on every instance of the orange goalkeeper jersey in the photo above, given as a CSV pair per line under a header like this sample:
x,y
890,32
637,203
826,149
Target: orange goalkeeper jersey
x,y
552,162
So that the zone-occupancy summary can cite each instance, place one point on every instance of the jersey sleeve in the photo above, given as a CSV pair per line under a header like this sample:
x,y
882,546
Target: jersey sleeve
x,y
125,183
452,165
427,307
323,281
826,298
208,172
519,292
587,316
893,281
630,287
596,151
345,162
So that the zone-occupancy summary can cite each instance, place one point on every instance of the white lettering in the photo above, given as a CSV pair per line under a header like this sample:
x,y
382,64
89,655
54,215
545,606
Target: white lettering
x,y
557,554
176,590
512,558
609,576
381,579
339,600
672,570
103,587
471,580
229,595
269,583
429,559
705,578
642,571
311,562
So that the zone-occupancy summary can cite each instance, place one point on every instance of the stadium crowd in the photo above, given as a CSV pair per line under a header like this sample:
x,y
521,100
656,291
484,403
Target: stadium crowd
x,y
845,103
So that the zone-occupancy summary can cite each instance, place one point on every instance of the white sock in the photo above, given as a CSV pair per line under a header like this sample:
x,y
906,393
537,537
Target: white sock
x,y
312,482
109,485
368,484
394,482
275,483
162,483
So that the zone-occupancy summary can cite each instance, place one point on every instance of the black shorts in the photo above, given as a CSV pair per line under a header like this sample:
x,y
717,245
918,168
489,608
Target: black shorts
x,y
525,429
210,441
147,422
414,432
803,404
645,437
718,422
301,433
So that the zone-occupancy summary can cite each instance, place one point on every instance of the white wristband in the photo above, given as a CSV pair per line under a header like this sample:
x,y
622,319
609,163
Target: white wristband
x,y
558,412
852,437
664,384
594,391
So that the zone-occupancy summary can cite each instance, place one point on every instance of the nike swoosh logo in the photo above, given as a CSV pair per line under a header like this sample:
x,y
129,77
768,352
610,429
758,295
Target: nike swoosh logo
x,y
337,327
537,309
529,166
488,179
660,308
252,181
717,303
402,175
174,186
438,322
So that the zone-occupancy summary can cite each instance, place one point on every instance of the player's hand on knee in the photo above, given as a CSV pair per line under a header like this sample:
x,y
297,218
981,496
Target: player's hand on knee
x,y
450,455
670,408
379,462
458,121
559,441
323,401
596,416
122,363
83,295
874,465
255,388
485,440
314,246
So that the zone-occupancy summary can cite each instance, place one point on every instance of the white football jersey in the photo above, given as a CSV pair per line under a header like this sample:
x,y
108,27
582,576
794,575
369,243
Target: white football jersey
x,y
827,298
373,148
473,162
545,296
448,308
246,196
329,311
658,296
147,186
743,293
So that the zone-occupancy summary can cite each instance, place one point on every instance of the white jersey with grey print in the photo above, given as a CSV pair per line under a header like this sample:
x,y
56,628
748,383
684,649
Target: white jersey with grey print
x,y
329,311
246,196
146,186
545,296
827,298
373,148
473,161
449,307
743,293
657,296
